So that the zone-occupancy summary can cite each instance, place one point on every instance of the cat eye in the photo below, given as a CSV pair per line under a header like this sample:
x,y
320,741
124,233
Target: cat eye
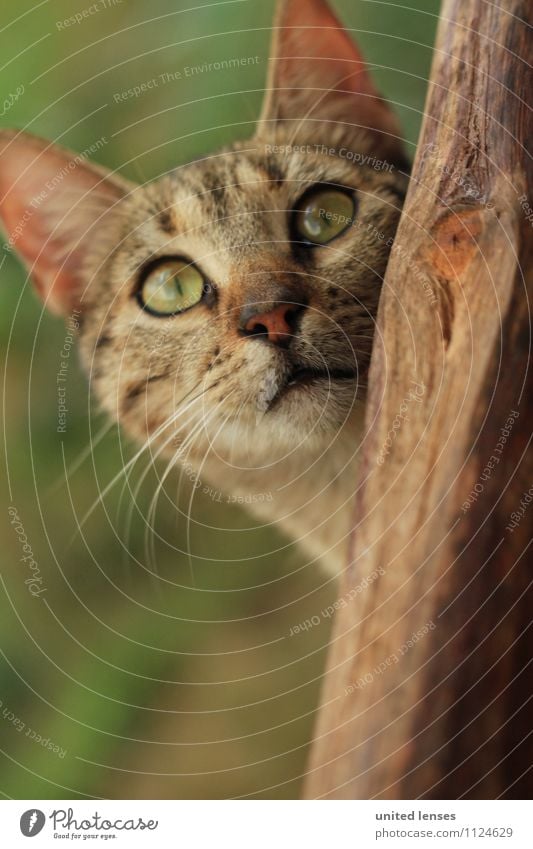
x,y
323,214
172,287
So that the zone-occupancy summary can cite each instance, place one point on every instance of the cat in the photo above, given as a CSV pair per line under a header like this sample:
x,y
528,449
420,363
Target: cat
x,y
227,309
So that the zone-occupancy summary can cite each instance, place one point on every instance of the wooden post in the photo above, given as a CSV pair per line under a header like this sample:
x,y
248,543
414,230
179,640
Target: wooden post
x,y
428,691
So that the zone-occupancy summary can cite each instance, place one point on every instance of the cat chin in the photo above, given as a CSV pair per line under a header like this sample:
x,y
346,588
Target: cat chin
x,y
310,416
309,398
325,395
304,422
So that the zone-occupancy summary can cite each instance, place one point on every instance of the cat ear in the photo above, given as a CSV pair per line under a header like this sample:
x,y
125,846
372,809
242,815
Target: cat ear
x,y
50,199
318,74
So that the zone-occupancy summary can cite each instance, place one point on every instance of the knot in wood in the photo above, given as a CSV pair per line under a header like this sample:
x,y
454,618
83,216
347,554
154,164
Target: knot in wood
x,y
455,241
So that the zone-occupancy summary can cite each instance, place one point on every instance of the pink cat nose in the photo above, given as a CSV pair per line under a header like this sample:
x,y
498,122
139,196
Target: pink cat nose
x,y
276,324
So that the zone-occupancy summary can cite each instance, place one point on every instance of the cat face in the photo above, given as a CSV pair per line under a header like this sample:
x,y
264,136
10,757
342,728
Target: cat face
x,y
233,222
230,304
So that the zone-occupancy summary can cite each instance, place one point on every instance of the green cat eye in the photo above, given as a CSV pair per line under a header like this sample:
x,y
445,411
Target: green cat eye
x,y
172,287
324,214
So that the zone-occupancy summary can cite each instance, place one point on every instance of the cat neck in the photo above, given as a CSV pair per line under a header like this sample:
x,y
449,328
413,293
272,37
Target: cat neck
x,y
308,492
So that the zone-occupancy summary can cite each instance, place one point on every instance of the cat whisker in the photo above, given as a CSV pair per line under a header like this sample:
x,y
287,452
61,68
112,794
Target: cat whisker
x,y
235,414
167,423
134,494
172,463
200,467
151,464
80,459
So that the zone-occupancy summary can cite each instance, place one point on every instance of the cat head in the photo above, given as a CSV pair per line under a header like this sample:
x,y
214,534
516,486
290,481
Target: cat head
x,y
231,302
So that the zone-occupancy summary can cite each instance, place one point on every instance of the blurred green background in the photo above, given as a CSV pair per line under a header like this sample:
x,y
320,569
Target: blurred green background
x,y
160,665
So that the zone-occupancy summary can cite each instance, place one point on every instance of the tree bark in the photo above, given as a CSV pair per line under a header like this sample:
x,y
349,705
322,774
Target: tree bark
x,y
428,690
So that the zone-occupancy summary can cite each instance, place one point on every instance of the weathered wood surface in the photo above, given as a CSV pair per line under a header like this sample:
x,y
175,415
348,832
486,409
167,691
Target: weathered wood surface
x,y
450,715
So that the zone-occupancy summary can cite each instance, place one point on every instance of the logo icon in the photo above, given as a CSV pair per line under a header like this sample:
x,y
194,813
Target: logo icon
x,y
32,822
